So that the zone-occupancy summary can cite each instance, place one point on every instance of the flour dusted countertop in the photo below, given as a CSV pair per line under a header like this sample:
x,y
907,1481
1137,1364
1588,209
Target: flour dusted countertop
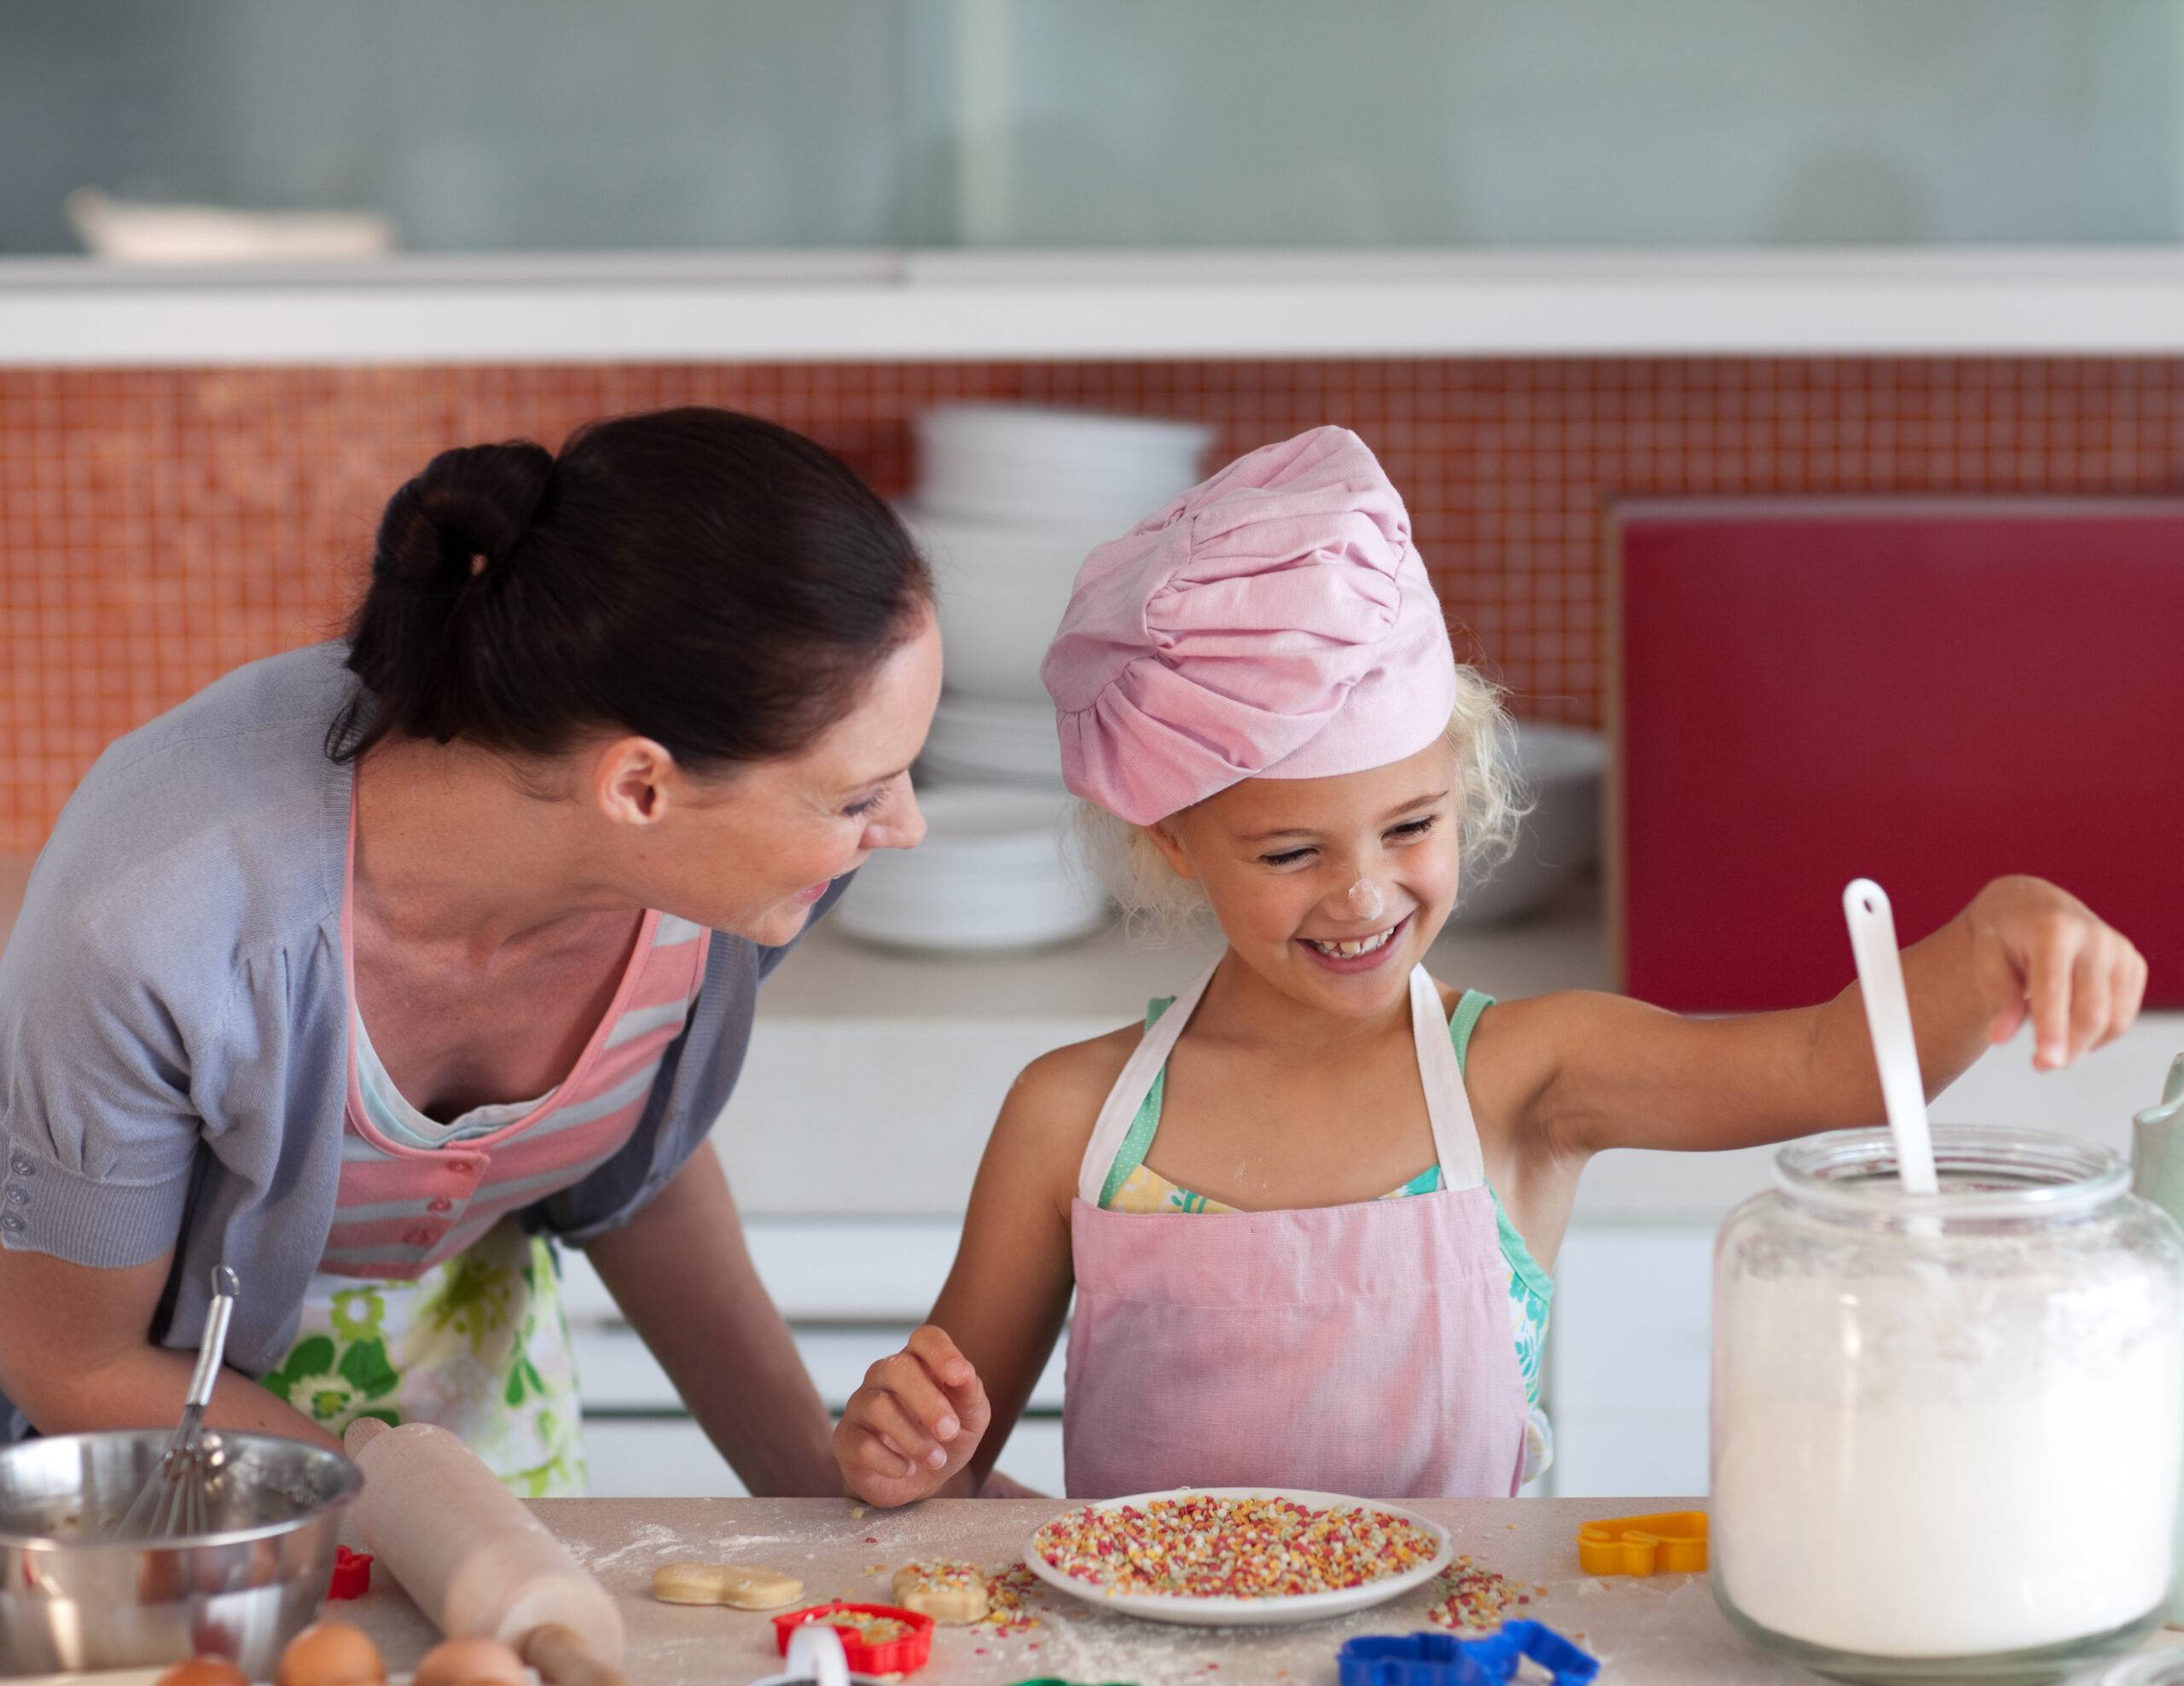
x,y
1658,1630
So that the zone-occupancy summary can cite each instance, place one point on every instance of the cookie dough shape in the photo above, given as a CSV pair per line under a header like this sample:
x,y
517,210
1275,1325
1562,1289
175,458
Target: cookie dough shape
x,y
951,1592
740,1586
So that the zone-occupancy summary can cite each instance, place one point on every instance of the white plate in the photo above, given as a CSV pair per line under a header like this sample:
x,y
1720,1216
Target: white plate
x,y
1303,1607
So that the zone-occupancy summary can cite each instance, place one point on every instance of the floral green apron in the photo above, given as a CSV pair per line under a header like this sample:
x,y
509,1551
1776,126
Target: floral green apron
x,y
479,1344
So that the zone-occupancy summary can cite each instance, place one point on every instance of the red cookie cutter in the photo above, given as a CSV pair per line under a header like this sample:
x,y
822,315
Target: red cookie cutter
x,y
352,1574
889,1656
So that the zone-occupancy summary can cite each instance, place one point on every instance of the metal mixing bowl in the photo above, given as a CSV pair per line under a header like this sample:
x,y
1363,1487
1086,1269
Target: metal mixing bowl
x,y
71,1597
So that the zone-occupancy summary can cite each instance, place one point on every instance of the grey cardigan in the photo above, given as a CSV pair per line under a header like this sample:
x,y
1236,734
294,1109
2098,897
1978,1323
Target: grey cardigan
x,y
174,1015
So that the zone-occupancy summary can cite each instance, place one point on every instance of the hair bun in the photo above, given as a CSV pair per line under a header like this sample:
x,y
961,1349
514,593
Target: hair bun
x,y
711,581
465,513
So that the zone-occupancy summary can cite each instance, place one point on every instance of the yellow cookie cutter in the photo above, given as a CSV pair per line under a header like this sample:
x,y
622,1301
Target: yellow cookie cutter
x,y
1674,1542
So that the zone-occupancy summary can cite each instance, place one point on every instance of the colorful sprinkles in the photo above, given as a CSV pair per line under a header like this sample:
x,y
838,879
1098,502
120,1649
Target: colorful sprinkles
x,y
869,1629
951,1574
1199,1546
1468,1599
1006,1615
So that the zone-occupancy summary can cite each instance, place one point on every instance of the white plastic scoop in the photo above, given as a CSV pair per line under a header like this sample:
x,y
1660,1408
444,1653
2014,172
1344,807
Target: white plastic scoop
x,y
1888,1019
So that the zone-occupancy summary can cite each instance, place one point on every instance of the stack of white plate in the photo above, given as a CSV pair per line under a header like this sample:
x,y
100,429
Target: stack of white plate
x,y
992,874
1009,499
1002,587
976,740
1019,464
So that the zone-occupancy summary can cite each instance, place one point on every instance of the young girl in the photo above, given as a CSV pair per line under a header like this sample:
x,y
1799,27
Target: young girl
x,y
1309,1207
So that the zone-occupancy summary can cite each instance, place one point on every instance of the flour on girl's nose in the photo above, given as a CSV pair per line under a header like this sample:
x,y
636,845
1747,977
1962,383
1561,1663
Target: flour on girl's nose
x,y
1365,899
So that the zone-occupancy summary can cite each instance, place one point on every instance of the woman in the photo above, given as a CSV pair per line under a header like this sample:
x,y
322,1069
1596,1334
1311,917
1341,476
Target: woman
x,y
377,964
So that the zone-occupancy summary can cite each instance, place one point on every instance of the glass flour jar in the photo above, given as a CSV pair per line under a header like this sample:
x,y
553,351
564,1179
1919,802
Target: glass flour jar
x,y
1946,1429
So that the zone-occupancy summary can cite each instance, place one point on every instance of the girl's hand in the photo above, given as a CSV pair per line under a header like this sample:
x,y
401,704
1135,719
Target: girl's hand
x,y
2041,953
913,1424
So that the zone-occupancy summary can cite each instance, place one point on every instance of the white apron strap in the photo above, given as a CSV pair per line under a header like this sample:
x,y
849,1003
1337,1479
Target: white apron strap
x,y
1131,1088
1447,1107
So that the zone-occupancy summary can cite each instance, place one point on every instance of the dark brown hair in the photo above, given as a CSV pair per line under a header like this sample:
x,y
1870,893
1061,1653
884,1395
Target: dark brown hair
x,y
709,581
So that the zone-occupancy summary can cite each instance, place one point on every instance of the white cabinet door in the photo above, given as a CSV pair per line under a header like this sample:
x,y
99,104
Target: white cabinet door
x,y
1628,1362
851,1290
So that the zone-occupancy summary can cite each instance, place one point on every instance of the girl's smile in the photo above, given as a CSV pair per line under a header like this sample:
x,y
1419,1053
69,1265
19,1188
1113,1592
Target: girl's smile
x,y
1357,954
1329,890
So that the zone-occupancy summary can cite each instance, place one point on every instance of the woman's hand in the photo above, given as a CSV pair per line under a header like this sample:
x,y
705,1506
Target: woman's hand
x,y
2039,952
914,1423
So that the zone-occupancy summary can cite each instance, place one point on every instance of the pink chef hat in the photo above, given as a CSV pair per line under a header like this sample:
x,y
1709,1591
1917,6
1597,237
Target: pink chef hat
x,y
1274,622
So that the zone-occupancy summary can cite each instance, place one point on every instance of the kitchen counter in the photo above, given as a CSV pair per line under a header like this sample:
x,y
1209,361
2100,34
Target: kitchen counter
x,y
1658,1630
887,306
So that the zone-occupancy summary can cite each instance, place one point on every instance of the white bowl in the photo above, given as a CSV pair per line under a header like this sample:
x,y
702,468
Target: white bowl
x,y
1018,463
1559,839
1001,591
994,873
979,741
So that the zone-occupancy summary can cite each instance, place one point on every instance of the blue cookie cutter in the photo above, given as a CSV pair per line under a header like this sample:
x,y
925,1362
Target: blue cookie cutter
x,y
1443,1660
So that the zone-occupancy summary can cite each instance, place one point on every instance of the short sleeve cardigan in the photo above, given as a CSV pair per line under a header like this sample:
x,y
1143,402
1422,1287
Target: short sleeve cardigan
x,y
173,1017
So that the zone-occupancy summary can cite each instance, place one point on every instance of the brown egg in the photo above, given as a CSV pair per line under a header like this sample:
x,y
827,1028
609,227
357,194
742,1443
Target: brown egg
x,y
470,1662
204,1671
329,1654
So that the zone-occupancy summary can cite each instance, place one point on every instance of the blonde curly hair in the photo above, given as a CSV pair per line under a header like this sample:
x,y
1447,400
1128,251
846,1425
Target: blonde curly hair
x,y
1158,903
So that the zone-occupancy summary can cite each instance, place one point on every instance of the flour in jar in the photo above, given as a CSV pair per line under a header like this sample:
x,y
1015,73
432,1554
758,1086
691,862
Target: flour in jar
x,y
1899,1472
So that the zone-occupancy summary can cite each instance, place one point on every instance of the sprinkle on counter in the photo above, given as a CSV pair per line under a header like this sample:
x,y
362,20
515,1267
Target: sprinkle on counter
x,y
1473,1599
1203,1546
1005,1613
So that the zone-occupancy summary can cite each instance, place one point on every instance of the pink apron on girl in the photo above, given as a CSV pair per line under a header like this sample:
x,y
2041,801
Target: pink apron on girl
x,y
1360,1348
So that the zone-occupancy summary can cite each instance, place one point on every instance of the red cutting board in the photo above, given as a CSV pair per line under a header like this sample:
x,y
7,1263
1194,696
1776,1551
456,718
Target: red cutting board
x,y
1925,692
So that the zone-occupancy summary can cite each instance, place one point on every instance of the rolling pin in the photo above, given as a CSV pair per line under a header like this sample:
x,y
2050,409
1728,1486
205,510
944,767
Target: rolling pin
x,y
475,1558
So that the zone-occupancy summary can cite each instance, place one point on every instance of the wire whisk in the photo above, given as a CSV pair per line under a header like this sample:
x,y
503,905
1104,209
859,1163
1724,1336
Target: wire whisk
x,y
177,1500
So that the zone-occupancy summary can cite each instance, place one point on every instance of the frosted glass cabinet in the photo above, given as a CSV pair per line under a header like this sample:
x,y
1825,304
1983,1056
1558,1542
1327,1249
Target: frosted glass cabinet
x,y
486,125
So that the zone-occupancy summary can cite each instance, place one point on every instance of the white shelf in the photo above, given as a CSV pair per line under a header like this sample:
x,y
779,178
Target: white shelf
x,y
888,307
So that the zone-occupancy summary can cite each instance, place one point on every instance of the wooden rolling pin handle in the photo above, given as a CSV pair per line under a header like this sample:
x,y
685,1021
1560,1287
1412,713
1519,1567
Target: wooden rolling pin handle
x,y
562,1659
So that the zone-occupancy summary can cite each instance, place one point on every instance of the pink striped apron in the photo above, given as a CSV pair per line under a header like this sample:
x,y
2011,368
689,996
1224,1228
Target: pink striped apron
x,y
430,1303
401,1210
1359,1348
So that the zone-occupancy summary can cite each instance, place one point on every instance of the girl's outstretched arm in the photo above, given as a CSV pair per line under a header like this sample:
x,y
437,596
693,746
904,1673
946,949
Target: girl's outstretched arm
x,y
933,1417
1574,1073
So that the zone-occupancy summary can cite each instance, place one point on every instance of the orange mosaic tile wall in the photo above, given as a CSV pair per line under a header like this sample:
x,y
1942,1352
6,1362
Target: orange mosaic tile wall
x,y
158,528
